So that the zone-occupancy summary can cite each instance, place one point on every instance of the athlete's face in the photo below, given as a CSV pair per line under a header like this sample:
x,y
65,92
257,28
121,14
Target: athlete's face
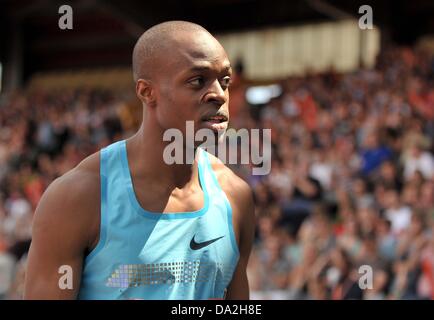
x,y
193,84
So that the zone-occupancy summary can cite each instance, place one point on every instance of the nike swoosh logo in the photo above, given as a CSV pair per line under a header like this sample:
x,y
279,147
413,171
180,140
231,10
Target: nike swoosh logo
x,y
199,245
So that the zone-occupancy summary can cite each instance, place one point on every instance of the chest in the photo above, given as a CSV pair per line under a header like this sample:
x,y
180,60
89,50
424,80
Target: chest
x,y
156,199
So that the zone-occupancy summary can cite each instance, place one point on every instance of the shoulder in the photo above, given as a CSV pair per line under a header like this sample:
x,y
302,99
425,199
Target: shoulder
x,y
71,203
240,197
232,184
80,182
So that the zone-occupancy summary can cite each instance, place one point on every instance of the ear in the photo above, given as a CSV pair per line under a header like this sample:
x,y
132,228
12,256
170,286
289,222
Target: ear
x,y
146,92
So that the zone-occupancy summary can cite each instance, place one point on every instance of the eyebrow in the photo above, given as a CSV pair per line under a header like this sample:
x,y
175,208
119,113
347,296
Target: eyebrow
x,y
199,68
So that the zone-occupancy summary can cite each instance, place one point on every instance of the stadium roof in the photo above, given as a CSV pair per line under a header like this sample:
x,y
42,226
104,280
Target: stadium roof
x,y
105,31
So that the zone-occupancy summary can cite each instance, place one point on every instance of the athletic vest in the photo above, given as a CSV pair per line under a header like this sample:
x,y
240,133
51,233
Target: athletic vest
x,y
149,255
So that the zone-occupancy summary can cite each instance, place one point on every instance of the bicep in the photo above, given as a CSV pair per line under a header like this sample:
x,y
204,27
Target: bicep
x,y
51,274
56,253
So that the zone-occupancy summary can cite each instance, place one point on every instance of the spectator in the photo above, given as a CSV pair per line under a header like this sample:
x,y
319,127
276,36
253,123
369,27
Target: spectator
x,y
373,154
396,212
418,160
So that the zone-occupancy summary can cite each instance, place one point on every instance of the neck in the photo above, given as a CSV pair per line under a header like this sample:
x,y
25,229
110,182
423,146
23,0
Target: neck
x,y
145,156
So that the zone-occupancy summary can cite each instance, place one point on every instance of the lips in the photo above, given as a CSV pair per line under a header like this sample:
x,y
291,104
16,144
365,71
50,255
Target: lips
x,y
215,118
215,122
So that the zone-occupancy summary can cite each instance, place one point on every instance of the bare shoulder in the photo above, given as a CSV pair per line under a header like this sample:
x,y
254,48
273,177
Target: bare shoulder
x,y
236,189
80,183
240,197
72,202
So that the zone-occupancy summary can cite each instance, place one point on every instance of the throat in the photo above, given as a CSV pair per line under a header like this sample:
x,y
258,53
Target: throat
x,y
187,199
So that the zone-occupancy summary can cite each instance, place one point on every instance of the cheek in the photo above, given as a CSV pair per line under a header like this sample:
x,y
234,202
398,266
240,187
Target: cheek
x,y
166,108
163,115
178,105
173,112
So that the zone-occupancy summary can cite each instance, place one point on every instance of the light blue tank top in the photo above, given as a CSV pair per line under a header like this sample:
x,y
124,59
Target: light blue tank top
x,y
148,255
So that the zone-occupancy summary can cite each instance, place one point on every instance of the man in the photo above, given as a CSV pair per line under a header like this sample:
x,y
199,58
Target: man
x,y
131,226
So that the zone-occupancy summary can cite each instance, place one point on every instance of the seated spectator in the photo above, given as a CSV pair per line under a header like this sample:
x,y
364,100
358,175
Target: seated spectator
x,y
417,159
306,191
396,212
373,154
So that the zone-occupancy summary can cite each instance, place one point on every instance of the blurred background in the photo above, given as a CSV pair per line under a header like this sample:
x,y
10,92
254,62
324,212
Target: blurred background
x,y
351,112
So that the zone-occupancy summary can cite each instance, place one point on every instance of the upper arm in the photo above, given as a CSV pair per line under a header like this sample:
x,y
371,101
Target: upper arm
x,y
61,233
244,221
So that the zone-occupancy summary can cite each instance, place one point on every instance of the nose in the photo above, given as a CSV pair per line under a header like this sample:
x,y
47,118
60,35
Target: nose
x,y
216,95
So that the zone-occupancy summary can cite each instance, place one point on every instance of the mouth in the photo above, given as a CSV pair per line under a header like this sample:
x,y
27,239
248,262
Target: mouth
x,y
215,122
215,119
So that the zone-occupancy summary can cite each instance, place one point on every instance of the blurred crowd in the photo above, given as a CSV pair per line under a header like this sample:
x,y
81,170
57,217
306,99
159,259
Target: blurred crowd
x,y
347,211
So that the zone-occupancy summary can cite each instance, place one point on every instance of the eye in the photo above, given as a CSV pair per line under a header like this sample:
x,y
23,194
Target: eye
x,y
197,82
225,82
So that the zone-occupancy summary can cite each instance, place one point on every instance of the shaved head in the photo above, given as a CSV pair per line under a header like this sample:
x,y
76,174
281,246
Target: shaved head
x,y
155,42
182,73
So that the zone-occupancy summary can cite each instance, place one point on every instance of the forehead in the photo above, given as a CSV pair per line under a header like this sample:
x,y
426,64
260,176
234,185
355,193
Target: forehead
x,y
194,51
